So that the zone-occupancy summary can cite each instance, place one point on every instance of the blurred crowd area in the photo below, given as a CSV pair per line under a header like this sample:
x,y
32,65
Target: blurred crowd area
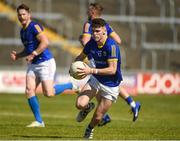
x,y
149,29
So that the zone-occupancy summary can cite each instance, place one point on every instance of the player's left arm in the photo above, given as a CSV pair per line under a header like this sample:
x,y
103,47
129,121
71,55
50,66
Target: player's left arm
x,y
110,70
112,64
112,60
43,43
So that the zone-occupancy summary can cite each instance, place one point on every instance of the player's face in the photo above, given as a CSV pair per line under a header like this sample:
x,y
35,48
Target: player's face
x,y
23,16
91,12
98,33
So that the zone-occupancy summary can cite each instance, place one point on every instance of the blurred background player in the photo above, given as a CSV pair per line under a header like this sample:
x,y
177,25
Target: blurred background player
x,y
105,77
95,11
41,64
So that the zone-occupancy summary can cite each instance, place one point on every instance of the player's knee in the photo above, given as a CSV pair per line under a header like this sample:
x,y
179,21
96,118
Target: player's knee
x,y
78,106
81,105
29,91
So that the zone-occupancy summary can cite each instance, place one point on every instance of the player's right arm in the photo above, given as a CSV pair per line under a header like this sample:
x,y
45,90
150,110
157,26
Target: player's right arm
x,y
87,70
86,34
14,55
84,53
81,56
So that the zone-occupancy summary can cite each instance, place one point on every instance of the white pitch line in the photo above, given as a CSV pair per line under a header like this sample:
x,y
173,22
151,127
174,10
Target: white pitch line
x,y
54,116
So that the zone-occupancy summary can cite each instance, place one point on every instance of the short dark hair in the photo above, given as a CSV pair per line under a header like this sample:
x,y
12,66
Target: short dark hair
x,y
98,22
23,6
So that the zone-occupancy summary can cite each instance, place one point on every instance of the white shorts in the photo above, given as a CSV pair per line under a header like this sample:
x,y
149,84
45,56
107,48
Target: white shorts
x,y
44,71
107,92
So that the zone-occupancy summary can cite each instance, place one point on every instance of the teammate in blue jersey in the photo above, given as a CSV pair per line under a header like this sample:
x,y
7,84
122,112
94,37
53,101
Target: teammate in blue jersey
x,y
95,11
105,77
41,64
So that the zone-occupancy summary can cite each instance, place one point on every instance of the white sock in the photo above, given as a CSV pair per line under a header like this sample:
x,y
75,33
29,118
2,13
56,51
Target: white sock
x,y
133,104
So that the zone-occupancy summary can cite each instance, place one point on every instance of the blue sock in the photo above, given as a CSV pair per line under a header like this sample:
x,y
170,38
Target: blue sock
x,y
106,118
59,88
34,104
129,100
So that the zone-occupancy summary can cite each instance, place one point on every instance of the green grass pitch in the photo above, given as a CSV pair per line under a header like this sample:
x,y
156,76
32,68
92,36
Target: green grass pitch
x,y
159,119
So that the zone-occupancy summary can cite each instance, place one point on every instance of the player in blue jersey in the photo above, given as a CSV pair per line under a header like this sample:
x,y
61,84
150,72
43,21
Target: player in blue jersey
x,y
41,64
105,78
95,11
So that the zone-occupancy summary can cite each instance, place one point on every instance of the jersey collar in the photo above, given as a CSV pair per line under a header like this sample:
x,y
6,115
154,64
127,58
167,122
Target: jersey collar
x,y
101,46
27,25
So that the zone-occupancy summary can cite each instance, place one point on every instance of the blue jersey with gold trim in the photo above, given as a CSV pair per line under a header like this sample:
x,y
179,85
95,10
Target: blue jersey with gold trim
x,y
109,51
30,42
89,30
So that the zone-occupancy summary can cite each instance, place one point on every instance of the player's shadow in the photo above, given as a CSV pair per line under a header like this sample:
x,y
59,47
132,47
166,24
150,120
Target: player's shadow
x,y
46,137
